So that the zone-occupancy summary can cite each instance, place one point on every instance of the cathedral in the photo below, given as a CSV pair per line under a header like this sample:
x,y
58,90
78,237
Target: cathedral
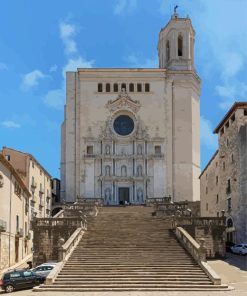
x,y
132,134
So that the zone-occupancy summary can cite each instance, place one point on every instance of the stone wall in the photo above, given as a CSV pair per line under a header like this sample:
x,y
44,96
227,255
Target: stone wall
x,y
46,238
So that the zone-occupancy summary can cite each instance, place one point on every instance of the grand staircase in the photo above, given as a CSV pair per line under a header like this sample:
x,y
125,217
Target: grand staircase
x,y
126,249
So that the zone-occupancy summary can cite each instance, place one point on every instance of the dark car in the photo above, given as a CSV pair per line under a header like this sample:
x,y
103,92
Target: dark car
x,y
20,279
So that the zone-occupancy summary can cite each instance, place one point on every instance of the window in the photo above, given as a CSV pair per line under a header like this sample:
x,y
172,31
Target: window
x,y
233,118
217,180
7,157
232,158
115,87
123,125
27,273
108,87
228,188
222,131
206,176
131,87
224,165
180,45
17,223
229,204
167,50
218,214
245,112
139,87
206,206
123,86
206,190
217,198
33,164
107,170
157,150
227,124
89,149
15,275
100,87
40,172
147,87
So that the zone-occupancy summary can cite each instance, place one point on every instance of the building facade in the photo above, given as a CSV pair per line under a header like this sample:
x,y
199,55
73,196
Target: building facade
x,y
224,179
15,241
35,178
132,134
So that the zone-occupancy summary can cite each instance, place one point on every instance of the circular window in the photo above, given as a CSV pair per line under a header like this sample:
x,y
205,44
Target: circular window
x,y
123,125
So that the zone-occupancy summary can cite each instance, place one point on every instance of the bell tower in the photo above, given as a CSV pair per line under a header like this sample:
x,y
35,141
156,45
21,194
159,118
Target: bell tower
x,y
176,44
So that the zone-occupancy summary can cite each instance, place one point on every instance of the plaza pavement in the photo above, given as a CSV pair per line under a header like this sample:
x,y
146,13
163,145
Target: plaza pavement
x,y
233,271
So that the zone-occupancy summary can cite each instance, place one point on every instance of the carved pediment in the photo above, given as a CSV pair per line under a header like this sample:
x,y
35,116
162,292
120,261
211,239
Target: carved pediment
x,y
123,101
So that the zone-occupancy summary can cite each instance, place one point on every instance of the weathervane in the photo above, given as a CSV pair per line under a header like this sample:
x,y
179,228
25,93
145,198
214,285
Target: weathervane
x,y
175,9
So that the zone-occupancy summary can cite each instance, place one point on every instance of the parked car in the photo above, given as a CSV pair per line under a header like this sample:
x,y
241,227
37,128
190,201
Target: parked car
x,y
20,279
240,249
44,269
229,245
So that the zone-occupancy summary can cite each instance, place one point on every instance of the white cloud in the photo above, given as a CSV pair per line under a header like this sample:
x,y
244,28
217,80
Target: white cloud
x,y
55,98
67,33
208,139
75,63
32,79
10,124
123,6
137,62
53,68
3,66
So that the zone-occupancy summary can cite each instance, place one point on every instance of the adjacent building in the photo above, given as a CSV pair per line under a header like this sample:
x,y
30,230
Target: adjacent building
x,y
15,241
35,178
133,134
224,179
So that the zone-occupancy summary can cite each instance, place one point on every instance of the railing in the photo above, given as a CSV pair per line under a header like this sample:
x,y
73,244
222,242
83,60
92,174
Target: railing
x,y
197,221
198,252
64,249
68,221
64,252
157,200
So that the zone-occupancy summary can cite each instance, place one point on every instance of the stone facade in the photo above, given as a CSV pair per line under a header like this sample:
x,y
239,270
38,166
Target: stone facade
x,y
14,216
133,134
224,180
36,179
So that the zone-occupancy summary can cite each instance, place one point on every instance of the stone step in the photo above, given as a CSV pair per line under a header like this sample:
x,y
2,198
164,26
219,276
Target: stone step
x,y
123,275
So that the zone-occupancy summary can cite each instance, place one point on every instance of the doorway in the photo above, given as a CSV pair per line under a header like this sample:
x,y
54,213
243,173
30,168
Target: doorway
x,y
123,195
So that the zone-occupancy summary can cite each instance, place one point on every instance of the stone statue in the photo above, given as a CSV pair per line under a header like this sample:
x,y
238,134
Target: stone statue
x,y
139,171
108,194
139,149
107,149
107,170
124,171
139,195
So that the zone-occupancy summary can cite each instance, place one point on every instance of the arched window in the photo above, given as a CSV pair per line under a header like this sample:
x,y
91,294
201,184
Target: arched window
x,y
180,45
167,50
123,86
131,87
124,171
100,87
108,87
115,87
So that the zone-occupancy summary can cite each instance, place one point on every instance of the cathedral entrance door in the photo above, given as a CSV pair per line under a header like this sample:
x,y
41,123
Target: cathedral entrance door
x,y
123,195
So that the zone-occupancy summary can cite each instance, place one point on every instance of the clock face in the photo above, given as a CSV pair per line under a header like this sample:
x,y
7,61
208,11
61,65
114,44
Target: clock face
x,y
123,125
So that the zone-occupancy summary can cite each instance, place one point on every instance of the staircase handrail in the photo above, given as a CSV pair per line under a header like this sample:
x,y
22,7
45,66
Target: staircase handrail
x,y
198,252
64,251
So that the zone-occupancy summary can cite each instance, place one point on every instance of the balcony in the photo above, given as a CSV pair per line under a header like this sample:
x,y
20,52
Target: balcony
x,y
41,204
41,191
33,186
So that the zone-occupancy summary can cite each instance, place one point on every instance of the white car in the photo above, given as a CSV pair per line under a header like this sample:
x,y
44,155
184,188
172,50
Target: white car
x,y
44,269
240,249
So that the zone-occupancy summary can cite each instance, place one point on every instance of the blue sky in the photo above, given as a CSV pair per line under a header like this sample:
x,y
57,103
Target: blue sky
x,y
40,40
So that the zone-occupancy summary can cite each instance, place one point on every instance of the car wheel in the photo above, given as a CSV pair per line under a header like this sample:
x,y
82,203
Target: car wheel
x,y
9,289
